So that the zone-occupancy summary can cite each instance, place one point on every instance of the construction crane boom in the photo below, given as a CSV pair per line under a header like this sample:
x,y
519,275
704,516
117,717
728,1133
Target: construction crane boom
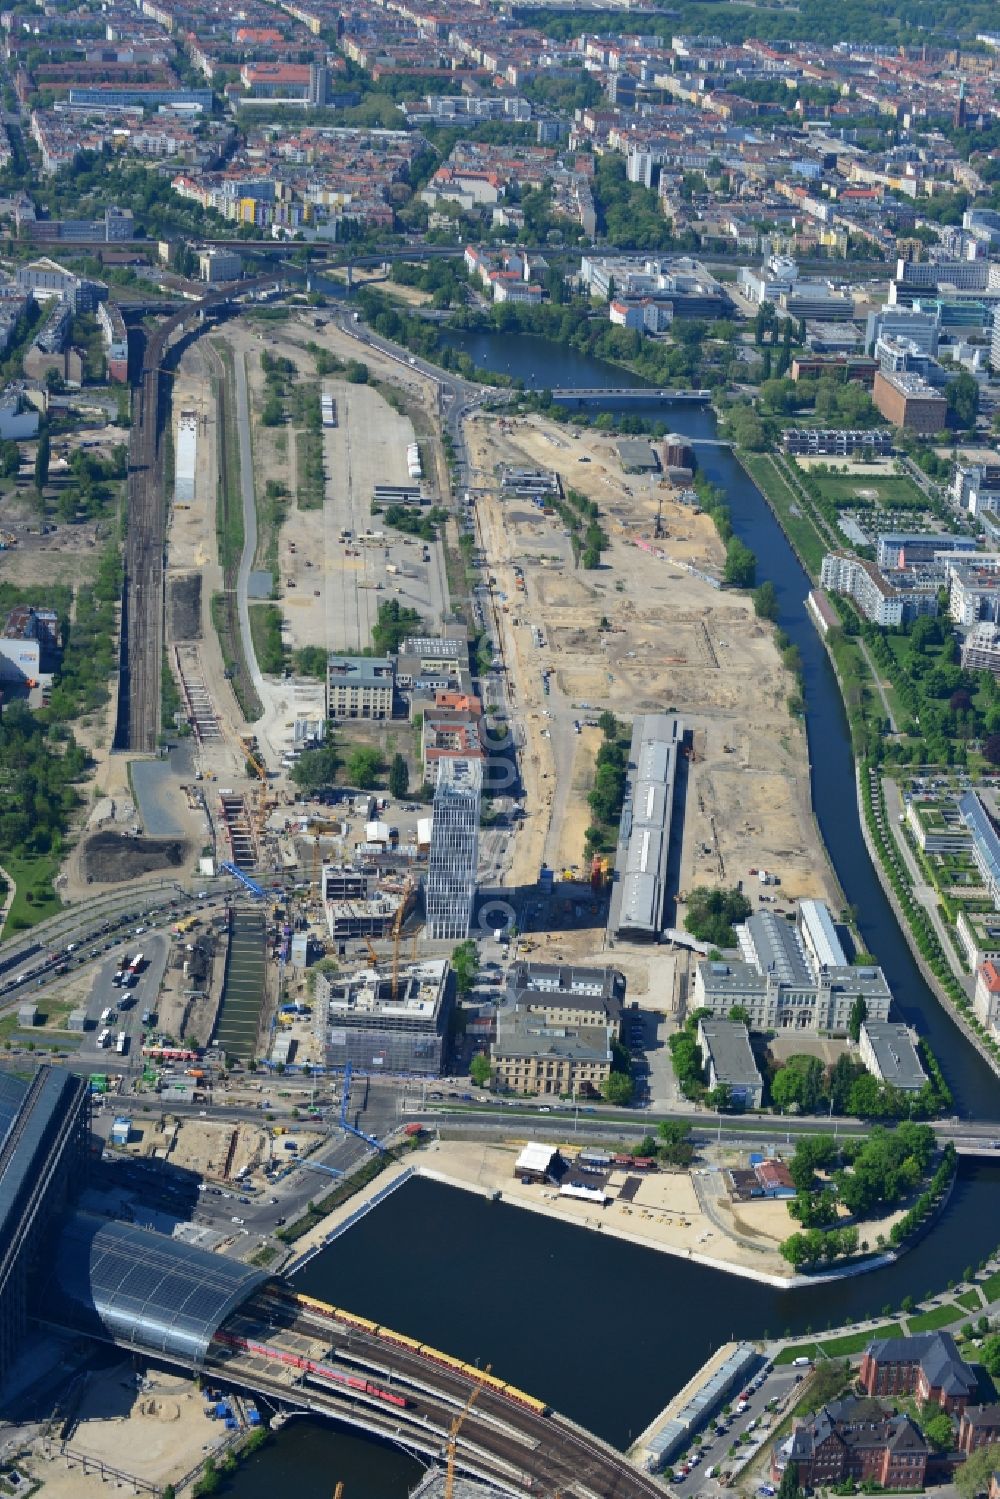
x,y
456,1427
372,954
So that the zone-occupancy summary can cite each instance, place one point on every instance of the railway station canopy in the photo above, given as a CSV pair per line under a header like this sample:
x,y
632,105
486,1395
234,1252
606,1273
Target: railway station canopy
x,y
144,1290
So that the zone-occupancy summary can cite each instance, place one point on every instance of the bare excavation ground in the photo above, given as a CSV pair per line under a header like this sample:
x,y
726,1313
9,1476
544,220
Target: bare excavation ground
x,y
640,634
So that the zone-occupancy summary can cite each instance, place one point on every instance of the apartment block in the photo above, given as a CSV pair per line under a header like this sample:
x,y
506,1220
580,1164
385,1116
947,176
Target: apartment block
x,y
360,686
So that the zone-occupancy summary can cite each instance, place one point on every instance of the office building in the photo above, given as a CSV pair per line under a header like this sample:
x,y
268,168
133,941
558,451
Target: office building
x,y
425,663
454,854
920,328
381,1024
115,337
887,1050
781,984
44,1156
937,827
359,687
109,96
531,1057
729,1061
908,401
980,819
685,284
17,420
561,994
884,603
216,266
640,877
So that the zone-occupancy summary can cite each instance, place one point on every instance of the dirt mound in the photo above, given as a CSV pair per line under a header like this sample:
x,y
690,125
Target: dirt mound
x,y
111,858
184,606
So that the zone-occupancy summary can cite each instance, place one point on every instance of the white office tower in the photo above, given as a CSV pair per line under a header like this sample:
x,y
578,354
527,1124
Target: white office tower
x,y
454,856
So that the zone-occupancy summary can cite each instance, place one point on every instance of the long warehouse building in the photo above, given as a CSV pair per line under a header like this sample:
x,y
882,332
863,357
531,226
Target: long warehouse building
x,y
640,880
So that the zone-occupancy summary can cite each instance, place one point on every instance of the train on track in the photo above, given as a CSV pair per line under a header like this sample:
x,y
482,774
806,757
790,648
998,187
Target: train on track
x,y
314,1371
388,1335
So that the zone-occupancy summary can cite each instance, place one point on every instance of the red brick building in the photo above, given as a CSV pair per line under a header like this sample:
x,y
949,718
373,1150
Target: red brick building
x,y
927,1366
979,1427
854,1439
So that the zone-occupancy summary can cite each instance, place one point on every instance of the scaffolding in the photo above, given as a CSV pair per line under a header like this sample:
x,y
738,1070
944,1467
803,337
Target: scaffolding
x,y
454,853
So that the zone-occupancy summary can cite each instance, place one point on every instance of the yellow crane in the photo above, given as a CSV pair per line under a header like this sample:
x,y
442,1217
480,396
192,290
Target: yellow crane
x,y
372,954
456,1427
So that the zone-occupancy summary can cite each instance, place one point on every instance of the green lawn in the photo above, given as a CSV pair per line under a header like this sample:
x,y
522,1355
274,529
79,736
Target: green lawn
x,y
797,524
852,1342
32,877
894,491
971,1300
990,1287
938,1316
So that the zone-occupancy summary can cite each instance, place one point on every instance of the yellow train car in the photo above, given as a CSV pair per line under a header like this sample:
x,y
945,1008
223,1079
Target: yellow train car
x,y
314,1306
444,1358
354,1320
489,1380
538,1406
400,1337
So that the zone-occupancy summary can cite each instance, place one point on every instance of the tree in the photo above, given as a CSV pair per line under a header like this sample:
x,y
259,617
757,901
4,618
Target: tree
x,y
990,1354
480,1070
618,1089
711,913
991,749
315,768
608,724
962,395
741,564
765,600
310,661
465,965
788,1488
799,1084
857,1018
364,767
720,1098
399,777
939,1431
973,1476
42,462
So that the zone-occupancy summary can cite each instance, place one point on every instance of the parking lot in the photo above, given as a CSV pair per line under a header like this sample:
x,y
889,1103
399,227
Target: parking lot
x,y
127,1003
751,1413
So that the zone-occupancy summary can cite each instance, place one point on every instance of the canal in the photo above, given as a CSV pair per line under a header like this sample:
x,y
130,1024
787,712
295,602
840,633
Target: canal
x,y
605,1330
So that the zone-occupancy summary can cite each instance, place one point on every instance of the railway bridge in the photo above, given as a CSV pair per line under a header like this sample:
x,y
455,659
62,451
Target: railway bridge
x,y
171,1302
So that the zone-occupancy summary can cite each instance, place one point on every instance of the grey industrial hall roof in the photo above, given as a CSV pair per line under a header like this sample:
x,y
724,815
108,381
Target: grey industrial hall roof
x,y
116,1281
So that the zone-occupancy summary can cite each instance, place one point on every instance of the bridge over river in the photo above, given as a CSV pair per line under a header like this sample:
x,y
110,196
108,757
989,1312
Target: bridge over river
x,y
584,393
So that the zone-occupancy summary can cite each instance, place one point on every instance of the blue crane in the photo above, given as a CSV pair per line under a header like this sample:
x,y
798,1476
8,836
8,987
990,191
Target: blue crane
x,y
351,1129
245,879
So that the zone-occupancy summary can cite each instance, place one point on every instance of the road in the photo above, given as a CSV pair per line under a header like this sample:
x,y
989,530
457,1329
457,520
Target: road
x,y
923,892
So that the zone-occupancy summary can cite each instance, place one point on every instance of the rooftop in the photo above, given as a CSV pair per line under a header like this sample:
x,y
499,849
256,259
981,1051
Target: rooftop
x,y
728,1045
360,671
895,1054
520,1034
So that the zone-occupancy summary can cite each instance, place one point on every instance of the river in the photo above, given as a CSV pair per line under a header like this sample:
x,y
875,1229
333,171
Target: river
x,y
605,1330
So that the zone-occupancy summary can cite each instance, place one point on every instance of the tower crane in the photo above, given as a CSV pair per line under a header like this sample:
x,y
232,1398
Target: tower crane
x,y
456,1427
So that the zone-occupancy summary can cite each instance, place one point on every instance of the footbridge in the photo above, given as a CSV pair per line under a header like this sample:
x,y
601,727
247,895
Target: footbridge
x,y
582,394
174,1303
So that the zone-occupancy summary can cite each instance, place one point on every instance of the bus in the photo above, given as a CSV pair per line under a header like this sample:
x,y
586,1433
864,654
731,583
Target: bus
x,y
121,1043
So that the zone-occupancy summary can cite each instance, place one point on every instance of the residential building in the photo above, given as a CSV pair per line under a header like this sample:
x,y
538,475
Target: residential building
x,y
17,421
975,487
974,588
981,648
115,341
531,1057
452,730
640,877
885,603
887,1050
29,636
908,401
782,987
427,664
839,442
725,1052
216,266
383,1025
979,1427
900,549
855,1441
454,853
561,994
986,999
359,686
927,1366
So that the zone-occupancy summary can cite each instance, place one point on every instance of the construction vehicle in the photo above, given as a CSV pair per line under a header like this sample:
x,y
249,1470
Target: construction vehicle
x,y
456,1427
372,954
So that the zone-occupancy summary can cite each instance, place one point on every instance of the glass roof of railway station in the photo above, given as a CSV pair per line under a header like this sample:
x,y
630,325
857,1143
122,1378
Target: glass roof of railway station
x,y
143,1289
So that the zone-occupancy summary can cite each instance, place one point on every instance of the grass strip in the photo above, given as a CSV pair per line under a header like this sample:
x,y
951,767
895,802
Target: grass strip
x,y
796,523
938,1316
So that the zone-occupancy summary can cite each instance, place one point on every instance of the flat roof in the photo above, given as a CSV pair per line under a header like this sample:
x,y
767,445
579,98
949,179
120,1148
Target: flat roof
x,y
818,926
522,1035
728,1045
895,1054
639,887
360,671
634,453
535,1157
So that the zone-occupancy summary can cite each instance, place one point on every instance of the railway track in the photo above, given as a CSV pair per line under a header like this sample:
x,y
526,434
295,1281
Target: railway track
x,y
142,630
